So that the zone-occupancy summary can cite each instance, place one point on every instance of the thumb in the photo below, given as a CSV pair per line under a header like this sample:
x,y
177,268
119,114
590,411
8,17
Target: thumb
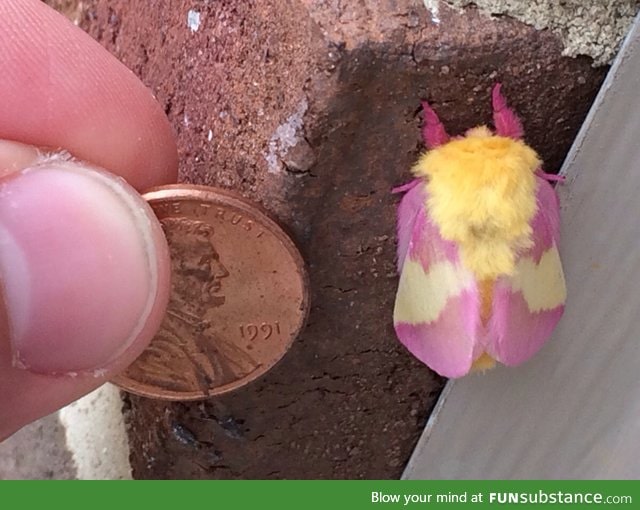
x,y
84,281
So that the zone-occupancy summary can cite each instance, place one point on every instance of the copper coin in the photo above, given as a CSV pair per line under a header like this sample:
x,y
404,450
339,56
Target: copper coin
x,y
239,296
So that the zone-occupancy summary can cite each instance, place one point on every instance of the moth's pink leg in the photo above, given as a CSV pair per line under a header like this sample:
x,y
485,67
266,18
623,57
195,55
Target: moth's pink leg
x,y
504,119
406,187
433,132
550,177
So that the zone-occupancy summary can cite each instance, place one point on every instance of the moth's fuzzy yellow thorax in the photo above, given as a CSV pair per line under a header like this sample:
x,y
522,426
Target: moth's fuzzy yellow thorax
x,y
482,197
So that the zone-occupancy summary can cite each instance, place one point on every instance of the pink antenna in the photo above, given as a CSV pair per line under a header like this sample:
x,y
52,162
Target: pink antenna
x,y
433,132
504,119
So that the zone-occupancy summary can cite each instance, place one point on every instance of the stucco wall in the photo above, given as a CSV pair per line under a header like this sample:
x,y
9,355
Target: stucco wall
x,y
587,27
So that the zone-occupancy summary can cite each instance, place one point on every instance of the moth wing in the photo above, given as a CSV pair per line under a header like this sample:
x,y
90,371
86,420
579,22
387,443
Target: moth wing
x,y
528,304
410,206
437,311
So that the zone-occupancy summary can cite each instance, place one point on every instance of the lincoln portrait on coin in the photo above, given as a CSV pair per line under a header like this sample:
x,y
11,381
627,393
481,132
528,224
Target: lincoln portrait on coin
x,y
188,354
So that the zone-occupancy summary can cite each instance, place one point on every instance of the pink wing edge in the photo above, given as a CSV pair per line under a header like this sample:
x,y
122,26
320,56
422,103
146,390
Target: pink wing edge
x,y
515,333
449,344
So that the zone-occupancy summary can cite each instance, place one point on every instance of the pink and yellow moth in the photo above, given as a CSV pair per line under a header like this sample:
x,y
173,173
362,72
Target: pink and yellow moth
x,y
480,273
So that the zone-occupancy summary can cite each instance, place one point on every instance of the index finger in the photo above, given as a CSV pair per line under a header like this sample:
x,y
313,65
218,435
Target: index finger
x,y
59,88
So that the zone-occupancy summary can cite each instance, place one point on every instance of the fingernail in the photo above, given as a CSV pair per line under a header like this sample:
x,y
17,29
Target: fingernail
x,y
79,263
15,156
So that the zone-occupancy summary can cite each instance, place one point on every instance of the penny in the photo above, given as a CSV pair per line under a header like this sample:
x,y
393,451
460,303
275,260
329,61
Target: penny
x,y
239,296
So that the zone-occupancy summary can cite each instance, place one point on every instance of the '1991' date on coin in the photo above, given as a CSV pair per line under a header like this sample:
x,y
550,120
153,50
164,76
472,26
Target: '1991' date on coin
x,y
264,330
209,342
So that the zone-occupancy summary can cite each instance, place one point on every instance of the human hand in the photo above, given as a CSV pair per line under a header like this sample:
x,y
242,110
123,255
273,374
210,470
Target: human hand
x,y
84,267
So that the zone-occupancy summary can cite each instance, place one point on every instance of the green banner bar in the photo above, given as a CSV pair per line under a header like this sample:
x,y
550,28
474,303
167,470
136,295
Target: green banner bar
x,y
325,495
